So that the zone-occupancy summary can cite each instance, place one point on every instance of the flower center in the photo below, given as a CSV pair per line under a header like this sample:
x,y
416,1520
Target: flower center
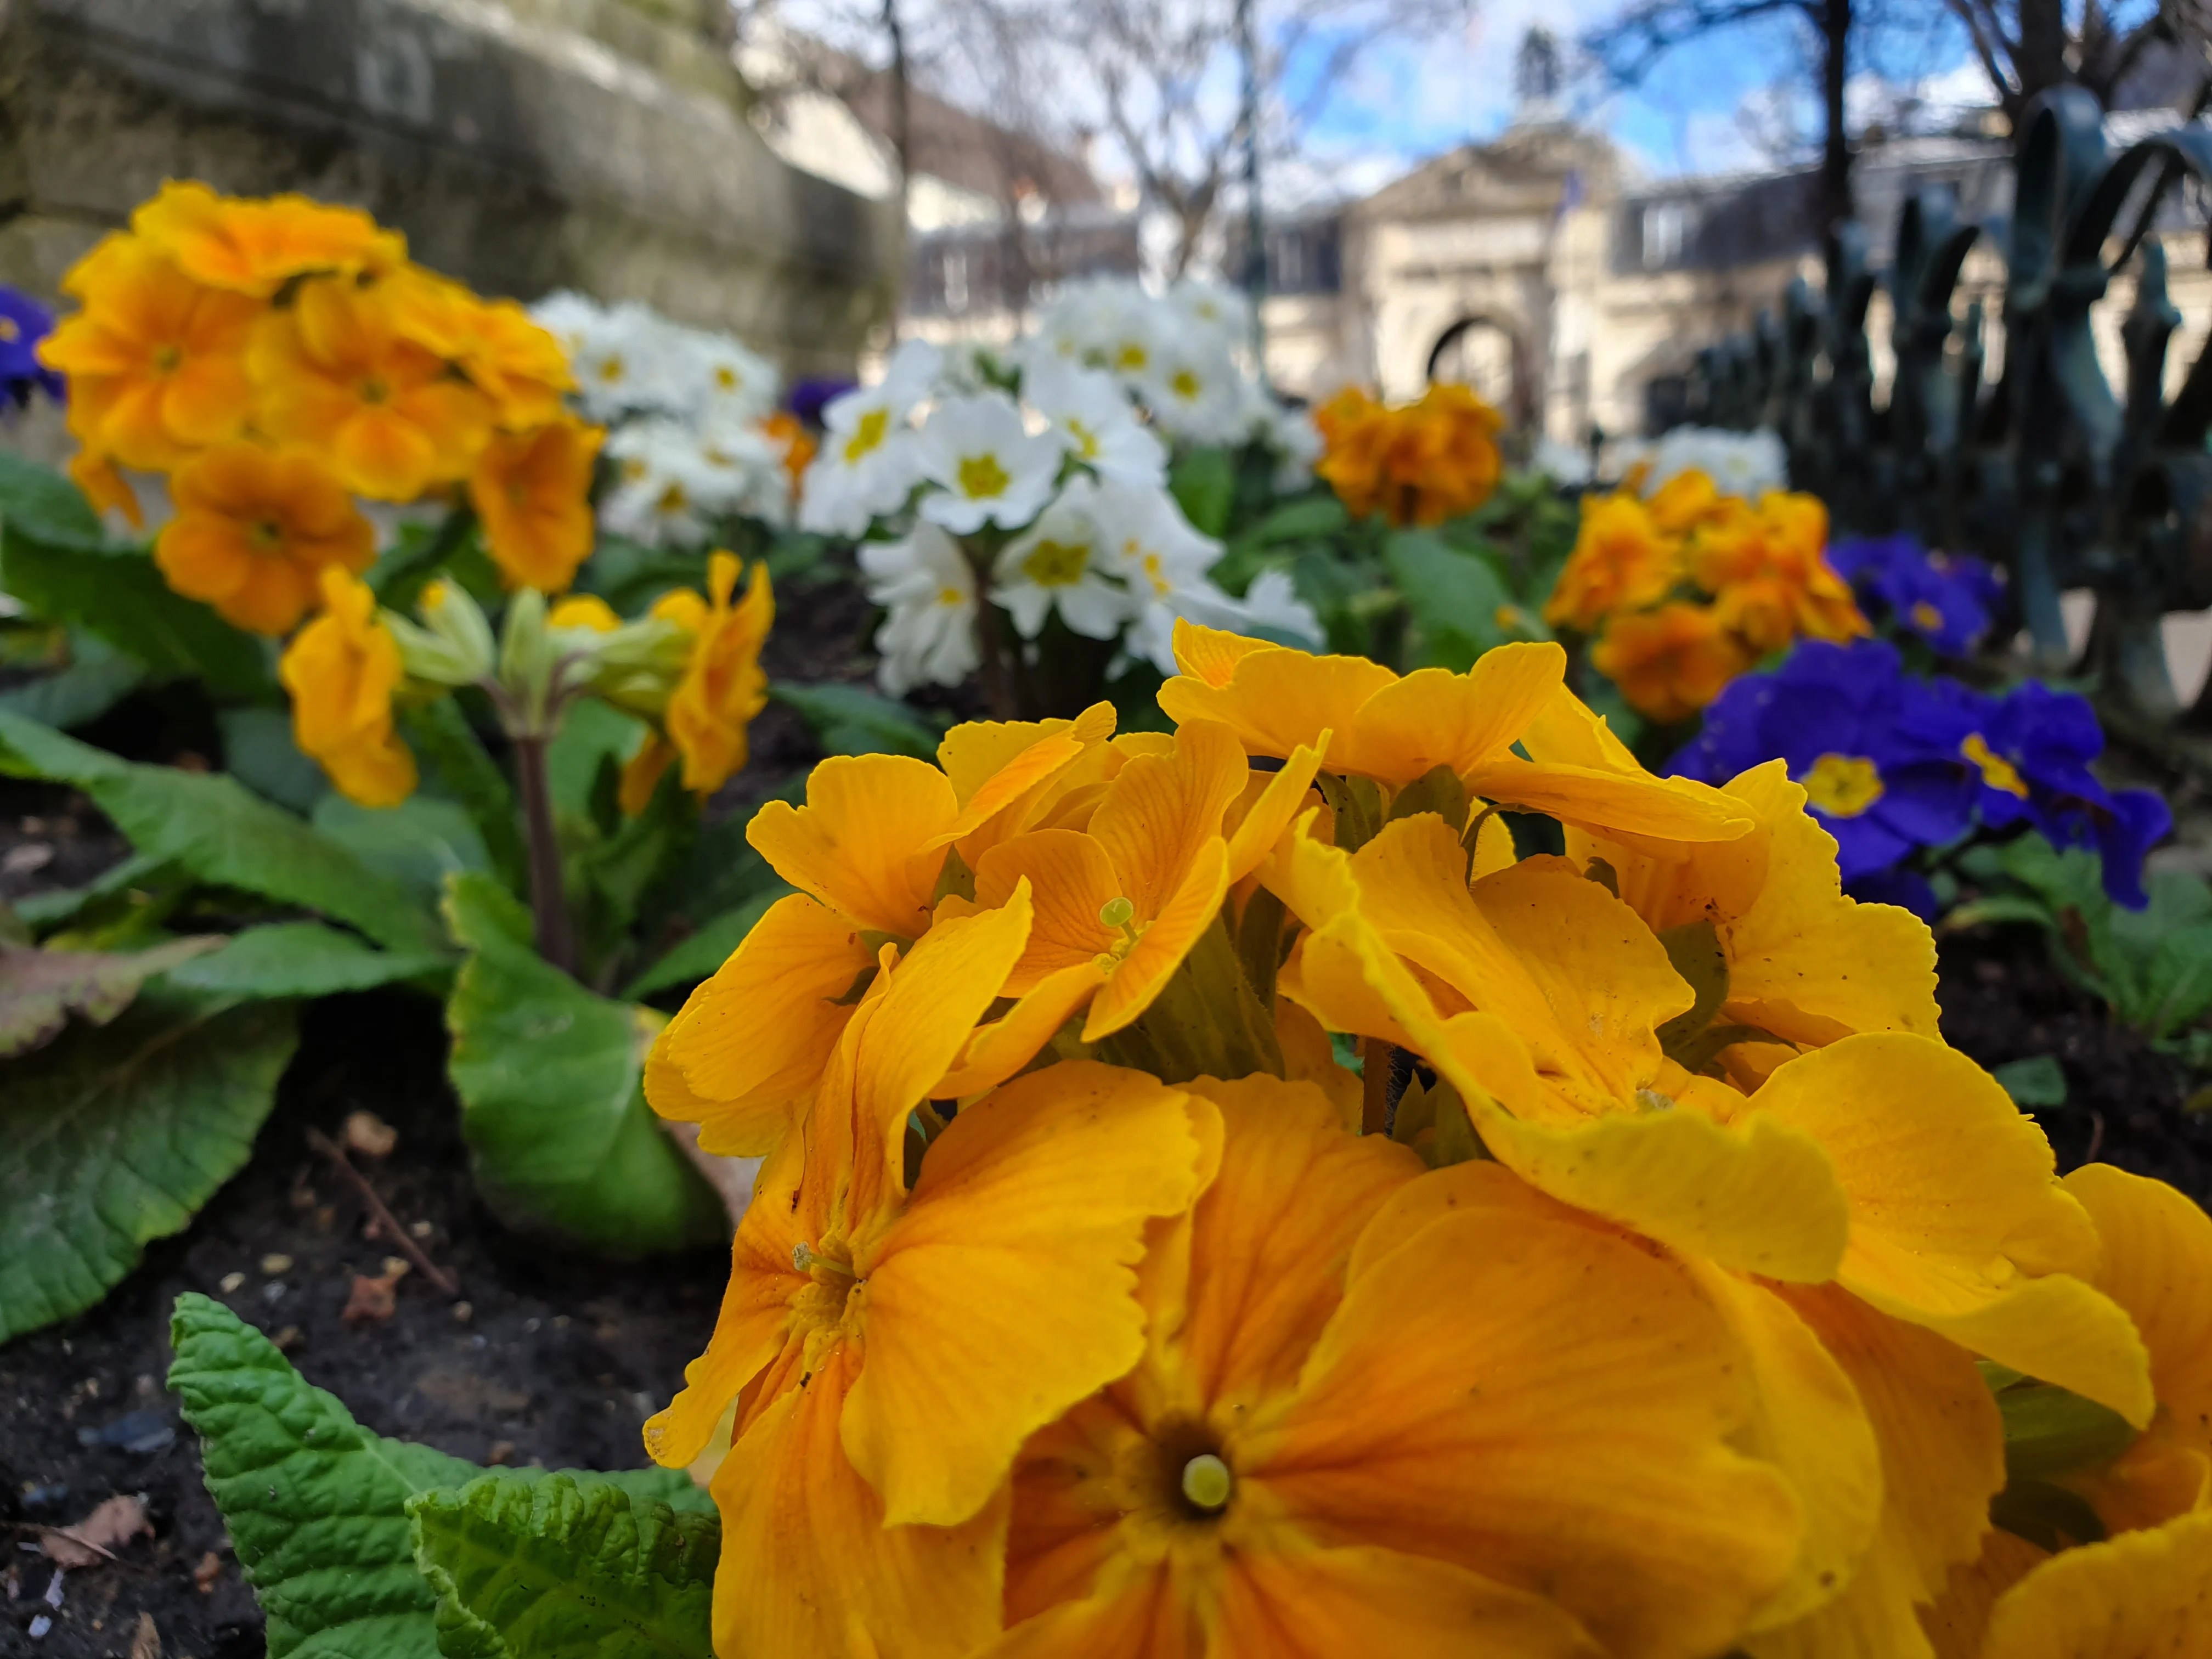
x,y
611,369
266,535
10,330
727,378
1185,385
1132,357
1120,914
950,596
1086,440
1997,772
1207,1484
1843,786
821,1304
1926,618
673,499
374,391
868,435
165,359
982,477
1056,564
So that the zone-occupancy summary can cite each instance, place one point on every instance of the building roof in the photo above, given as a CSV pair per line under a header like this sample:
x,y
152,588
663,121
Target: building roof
x,y
959,146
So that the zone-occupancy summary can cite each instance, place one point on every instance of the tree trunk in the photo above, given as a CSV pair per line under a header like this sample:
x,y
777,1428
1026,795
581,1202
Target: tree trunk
x,y
1835,20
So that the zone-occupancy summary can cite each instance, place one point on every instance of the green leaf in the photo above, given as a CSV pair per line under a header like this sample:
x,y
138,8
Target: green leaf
x,y
41,989
1694,949
301,959
2038,1080
550,1076
112,1138
443,738
316,1505
1310,518
1453,597
258,750
49,910
551,1569
117,593
46,506
851,720
2049,1432
1204,485
415,845
592,734
699,956
722,872
98,678
1437,790
212,828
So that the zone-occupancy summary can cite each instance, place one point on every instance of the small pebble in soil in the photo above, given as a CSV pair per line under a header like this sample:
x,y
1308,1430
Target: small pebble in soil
x,y
231,1282
503,1451
286,1340
463,1313
142,1433
369,1135
276,1266
40,1625
208,1572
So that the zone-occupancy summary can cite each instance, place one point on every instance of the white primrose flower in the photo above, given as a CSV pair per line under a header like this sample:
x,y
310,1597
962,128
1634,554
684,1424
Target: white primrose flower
x,y
1210,310
990,467
1745,463
1195,392
1563,464
1159,556
1101,428
1271,609
1060,565
926,585
748,468
867,462
569,317
665,492
627,362
734,383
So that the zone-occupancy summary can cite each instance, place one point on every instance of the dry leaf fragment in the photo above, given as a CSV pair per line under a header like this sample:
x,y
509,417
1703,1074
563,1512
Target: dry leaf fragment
x,y
369,1135
208,1572
372,1301
147,1643
112,1524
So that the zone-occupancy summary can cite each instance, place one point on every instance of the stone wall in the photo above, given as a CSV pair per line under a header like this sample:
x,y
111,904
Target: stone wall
x,y
523,145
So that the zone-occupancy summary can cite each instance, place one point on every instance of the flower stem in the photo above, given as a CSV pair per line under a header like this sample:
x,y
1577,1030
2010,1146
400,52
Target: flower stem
x,y
990,644
549,904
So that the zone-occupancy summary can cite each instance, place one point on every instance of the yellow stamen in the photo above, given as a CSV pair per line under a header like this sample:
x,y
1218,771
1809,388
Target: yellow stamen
x,y
870,433
1843,786
1926,618
1056,564
982,477
1207,1483
1997,772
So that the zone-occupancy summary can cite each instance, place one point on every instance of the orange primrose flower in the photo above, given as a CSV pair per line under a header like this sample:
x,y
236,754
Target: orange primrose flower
x,y
723,687
1621,560
253,531
341,669
1671,662
532,493
254,246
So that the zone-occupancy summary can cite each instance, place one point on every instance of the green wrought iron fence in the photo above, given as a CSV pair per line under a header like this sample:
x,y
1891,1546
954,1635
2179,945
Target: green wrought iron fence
x,y
2048,469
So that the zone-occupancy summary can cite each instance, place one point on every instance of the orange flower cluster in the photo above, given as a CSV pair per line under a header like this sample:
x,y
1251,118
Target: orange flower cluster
x,y
1688,589
280,356
1421,463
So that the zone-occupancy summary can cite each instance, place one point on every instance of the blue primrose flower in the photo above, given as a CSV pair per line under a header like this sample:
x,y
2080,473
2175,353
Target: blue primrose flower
x,y
23,323
1948,599
1877,755
2030,750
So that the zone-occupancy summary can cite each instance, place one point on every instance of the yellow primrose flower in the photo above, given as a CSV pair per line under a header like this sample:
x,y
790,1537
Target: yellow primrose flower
x,y
2140,1595
889,1349
723,687
1300,1449
1395,730
341,669
867,852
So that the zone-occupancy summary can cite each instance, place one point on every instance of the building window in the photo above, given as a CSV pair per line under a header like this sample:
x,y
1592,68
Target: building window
x,y
1664,226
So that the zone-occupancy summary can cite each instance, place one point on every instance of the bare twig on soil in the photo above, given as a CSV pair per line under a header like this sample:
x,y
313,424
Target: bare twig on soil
x,y
386,1222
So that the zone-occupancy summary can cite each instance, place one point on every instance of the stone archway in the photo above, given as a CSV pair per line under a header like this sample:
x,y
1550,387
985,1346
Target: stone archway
x,y
1486,353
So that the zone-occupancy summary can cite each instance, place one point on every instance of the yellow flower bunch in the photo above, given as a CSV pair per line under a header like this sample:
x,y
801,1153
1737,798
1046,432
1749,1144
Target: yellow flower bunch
x,y
1688,589
1634,1298
1421,463
279,357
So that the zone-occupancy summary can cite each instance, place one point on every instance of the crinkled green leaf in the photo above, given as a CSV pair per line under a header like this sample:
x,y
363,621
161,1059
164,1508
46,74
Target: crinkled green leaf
x,y
217,831
302,959
416,844
455,757
37,502
41,989
549,1074
96,677
260,750
112,1138
1455,597
557,1570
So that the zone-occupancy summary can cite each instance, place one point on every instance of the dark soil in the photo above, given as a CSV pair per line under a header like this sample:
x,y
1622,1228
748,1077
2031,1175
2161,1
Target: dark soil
x,y
543,1358
2003,999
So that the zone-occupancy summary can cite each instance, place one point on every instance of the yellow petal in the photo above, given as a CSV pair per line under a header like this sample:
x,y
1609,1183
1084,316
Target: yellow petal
x,y
1310,1057
1493,847
1144,973
1435,718
1277,700
1942,1460
994,763
1211,654
869,841
1636,808
1160,811
2157,1264
999,1050
1957,1620
1006,1290
1268,819
1318,1604
809,1570
1807,964
1549,1407
750,1043
1071,880
1953,1202
2141,1596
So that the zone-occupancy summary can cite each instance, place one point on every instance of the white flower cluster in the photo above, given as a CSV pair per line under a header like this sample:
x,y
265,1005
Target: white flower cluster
x,y
1069,480
687,408
1745,463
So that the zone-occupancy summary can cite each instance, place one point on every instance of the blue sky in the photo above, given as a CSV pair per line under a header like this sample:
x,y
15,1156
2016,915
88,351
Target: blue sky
x,y
1699,111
